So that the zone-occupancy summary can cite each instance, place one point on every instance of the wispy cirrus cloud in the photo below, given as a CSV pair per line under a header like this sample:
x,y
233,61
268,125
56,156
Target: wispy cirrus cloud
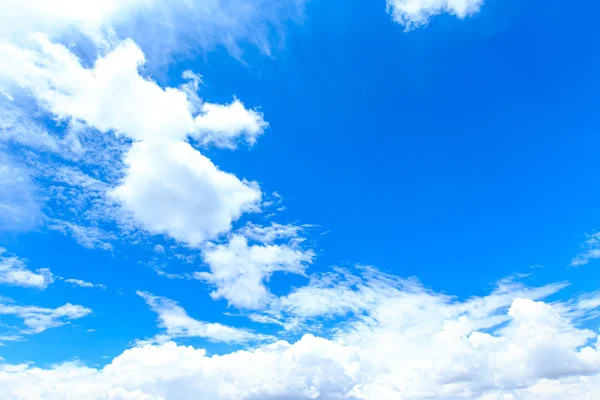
x,y
38,319
85,284
590,250
178,324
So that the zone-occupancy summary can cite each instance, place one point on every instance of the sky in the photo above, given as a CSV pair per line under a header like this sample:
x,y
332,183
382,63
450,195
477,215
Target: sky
x,y
299,199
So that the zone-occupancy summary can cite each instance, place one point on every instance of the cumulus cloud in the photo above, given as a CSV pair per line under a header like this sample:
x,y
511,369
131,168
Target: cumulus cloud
x,y
14,271
192,199
222,124
417,344
178,324
239,270
415,13
55,76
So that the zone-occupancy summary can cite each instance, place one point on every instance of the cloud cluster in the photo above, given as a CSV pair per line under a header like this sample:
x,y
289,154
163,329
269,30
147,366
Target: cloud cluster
x,y
193,200
416,344
382,337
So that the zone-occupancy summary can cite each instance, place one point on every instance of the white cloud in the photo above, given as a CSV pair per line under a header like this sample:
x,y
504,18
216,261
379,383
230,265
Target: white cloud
x,y
415,13
239,270
14,271
192,200
38,319
55,76
222,124
178,324
85,284
590,250
417,344
367,297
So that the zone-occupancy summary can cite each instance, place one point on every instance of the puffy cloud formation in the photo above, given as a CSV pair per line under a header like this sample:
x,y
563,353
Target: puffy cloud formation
x,y
191,199
222,124
415,344
14,271
239,270
177,324
415,13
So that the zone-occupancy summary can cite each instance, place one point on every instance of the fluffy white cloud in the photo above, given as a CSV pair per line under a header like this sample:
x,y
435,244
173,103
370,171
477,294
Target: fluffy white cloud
x,y
415,13
417,344
172,188
177,324
191,200
222,124
110,96
38,319
14,271
239,270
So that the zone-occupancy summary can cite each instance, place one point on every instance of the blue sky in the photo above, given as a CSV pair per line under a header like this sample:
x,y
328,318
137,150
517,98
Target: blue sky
x,y
342,199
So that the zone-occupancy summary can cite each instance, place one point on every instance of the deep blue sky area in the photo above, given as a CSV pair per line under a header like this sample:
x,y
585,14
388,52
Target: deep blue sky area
x,y
459,154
